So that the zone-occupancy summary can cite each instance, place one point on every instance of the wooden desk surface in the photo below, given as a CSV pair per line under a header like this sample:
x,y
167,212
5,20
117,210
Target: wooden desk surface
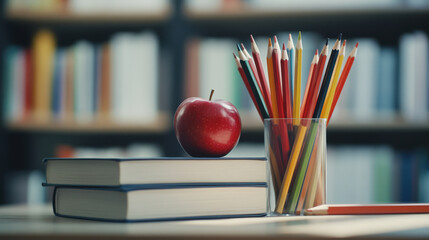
x,y
38,222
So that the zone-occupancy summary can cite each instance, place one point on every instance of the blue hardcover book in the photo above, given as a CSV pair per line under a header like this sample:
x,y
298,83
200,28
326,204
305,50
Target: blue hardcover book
x,y
111,172
159,203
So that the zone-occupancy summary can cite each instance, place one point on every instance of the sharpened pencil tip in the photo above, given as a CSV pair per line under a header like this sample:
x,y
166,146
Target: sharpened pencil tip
x,y
290,37
269,42
284,46
275,39
238,47
242,46
235,56
251,38
357,44
340,36
317,52
344,43
327,40
299,35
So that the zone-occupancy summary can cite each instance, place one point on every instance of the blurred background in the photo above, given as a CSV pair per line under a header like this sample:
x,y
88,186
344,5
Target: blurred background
x,y
102,78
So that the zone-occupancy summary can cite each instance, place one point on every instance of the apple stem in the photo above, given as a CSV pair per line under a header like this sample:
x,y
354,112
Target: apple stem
x,y
211,94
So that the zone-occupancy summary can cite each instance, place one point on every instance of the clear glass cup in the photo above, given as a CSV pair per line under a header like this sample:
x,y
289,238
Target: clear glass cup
x,y
296,150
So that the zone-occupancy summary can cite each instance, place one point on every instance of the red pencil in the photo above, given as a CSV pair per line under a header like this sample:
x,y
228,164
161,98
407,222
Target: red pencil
x,y
348,209
277,78
314,88
246,83
311,78
343,79
263,81
287,97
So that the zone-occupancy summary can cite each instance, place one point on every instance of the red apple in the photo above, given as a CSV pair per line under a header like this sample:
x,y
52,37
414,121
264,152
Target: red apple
x,y
206,128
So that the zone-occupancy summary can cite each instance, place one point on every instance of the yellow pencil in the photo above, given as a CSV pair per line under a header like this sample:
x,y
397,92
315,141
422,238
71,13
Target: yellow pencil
x,y
297,82
271,79
292,163
334,82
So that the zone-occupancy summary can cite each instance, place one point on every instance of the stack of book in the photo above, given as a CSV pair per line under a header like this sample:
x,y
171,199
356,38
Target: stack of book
x,y
153,189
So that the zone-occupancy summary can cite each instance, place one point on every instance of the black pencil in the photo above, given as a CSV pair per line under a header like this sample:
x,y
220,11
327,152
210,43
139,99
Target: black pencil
x,y
327,78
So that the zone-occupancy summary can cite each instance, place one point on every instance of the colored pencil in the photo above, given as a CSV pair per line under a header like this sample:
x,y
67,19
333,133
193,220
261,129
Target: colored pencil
x,y
264,85
254,70
253,85
291,54
284,62
302,167
290,170
310,79
343,78
315,84
311,173
333,85
326,78
319,171
271,80
297,82
277,78
348,209
246,83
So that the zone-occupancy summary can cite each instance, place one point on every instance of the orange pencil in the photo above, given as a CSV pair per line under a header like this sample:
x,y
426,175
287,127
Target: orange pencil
x,y
263,81
343,79
311,77
277,78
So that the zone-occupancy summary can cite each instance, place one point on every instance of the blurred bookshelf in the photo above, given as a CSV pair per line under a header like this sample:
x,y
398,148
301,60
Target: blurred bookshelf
x,y
186,35
40,17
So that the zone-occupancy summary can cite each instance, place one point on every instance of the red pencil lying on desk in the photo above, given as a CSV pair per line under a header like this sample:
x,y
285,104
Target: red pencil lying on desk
x,y
352,209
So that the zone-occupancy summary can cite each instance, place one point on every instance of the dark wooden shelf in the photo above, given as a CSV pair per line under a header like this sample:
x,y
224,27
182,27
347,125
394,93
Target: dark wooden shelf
x,y
58,17
381,23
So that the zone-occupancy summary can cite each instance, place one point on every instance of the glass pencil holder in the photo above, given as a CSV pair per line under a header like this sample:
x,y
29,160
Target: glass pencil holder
x,y
296,150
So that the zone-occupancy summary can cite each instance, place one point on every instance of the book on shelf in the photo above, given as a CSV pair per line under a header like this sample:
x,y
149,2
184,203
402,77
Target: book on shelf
x,y
120,171
372,175
88,7
115,82
413,94
161,202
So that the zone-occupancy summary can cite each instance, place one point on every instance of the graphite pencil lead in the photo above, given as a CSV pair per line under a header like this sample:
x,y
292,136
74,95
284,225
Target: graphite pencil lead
x,y
284,53
245,51
241,55
253,45
276,43
290,42
237,61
